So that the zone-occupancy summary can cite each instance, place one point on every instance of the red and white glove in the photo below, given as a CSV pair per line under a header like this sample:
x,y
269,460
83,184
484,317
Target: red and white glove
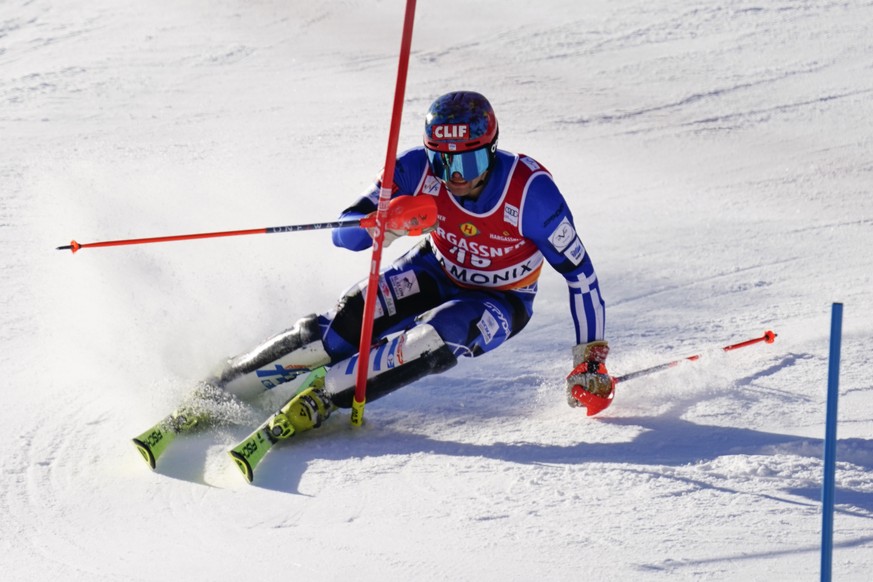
x,y
389,237
407,216
589,384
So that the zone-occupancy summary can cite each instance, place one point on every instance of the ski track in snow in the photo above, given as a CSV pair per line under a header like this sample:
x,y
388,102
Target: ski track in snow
x,y
717,159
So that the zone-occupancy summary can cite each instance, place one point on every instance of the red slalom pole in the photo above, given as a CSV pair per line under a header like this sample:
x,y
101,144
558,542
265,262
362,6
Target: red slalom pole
x,y
357,416
768,337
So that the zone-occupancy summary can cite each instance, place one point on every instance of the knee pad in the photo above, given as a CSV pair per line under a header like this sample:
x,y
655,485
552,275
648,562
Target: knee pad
x,y
394,363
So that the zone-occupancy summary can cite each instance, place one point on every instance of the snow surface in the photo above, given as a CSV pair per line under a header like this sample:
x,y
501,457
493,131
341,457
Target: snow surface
x,y
718,160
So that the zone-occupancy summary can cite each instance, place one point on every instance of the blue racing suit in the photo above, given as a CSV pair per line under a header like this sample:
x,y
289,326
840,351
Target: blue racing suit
x,y
474,277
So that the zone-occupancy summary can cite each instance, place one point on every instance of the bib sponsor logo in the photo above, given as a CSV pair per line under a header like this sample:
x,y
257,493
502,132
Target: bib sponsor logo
x,y
459,244
563,235
469,229
495,278
451,131
505,237
510,214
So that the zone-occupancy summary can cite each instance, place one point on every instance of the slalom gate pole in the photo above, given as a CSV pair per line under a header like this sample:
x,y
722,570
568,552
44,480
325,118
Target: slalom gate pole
x,y
357,416
768,337
74,246
830,444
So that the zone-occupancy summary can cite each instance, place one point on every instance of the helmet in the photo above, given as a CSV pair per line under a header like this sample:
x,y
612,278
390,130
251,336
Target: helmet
x,y
460,135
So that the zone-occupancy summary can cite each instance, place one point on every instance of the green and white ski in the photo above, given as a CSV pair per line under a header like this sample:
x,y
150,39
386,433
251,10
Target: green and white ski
x,y
154,441
250,452
204,407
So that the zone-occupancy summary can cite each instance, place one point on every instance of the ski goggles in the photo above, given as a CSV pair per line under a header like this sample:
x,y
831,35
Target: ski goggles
x,y
469,164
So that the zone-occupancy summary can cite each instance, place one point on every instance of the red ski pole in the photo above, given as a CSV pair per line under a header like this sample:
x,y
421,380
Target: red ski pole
x,y
768,337
594,403
418,213
75,246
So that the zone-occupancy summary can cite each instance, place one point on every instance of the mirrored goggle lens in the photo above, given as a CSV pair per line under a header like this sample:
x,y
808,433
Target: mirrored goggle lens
x,y
468,164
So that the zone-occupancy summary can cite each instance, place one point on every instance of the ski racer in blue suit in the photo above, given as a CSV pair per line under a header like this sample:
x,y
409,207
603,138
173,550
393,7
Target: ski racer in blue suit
x,y
463,290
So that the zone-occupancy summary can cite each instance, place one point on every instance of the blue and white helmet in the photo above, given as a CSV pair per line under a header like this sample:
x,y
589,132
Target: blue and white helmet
x,y
460,135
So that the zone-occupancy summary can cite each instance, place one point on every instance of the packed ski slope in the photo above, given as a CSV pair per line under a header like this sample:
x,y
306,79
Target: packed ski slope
x,y
718,161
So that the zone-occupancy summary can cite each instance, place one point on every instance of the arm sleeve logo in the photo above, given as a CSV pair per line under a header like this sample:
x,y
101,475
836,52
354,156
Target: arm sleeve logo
x,y
563,235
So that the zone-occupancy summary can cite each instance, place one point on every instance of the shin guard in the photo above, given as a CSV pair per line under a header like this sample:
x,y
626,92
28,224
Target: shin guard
x,y
278,360
394,363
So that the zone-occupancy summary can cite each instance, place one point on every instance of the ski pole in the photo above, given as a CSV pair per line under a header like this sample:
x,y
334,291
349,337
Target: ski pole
x,y
75,246
768,337
412,217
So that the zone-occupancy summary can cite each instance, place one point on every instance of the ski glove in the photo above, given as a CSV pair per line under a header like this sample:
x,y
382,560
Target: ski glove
x,y
589,384
407,215
390,236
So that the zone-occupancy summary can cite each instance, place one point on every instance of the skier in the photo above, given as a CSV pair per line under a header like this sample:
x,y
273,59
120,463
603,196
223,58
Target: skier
x,y
462,291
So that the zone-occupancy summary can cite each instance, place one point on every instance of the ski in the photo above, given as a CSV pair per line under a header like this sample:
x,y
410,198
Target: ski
x,y
204,407
154,442
249,453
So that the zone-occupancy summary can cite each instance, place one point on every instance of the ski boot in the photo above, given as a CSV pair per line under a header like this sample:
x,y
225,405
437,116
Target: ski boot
x,y
305,411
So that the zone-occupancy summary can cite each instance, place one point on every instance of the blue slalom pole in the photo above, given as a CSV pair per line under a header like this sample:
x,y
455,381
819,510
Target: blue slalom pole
x,y
830,445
